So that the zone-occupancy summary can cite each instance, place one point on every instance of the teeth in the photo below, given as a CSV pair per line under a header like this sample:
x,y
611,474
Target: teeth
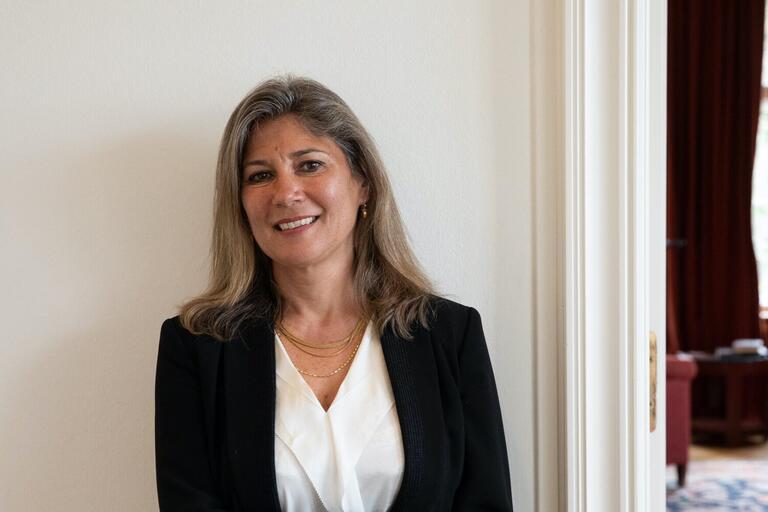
x,y
295,224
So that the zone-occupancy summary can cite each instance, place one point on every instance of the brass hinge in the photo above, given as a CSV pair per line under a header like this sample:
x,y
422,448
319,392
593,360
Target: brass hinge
x,y
653,368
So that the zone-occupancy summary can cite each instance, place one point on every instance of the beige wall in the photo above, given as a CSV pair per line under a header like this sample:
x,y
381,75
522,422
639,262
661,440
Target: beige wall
x,y
110,115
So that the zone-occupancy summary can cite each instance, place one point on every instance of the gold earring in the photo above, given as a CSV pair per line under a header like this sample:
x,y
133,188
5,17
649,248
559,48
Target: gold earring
x,y
364,210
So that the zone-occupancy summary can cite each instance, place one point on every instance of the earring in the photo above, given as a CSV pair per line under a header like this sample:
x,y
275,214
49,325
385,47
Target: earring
x,y
364,210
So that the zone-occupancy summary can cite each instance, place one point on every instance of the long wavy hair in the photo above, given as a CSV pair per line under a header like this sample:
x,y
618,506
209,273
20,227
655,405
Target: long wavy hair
x,y
389,284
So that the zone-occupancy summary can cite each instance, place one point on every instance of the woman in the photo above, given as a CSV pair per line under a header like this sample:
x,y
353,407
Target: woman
x,y
319,371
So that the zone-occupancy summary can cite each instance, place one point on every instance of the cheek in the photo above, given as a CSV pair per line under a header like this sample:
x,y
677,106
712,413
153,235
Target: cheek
x,y
254,213
331,193
344,196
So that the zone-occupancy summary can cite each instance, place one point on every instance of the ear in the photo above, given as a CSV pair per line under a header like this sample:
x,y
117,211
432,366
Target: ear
x,y
364,193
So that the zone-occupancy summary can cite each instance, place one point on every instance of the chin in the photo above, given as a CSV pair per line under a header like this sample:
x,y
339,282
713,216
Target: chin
x,y
297,261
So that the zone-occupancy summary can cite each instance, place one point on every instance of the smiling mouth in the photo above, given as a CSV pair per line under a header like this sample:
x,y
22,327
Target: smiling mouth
x,y
287,226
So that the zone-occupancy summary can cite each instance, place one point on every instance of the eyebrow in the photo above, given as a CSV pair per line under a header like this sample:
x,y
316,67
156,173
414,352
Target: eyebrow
x,y
295,154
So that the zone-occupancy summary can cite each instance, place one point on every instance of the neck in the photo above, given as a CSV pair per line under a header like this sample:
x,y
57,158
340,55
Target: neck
x,y
317,295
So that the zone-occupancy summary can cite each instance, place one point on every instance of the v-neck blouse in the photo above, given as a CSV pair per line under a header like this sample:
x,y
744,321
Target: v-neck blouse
x,y
349,458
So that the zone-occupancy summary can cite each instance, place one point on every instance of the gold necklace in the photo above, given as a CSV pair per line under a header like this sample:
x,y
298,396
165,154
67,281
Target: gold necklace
x,y
319,346
299,343
332,354
337,370
352,335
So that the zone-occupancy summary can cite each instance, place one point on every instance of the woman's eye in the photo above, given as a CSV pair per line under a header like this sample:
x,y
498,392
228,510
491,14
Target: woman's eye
x,y
311,165
258,177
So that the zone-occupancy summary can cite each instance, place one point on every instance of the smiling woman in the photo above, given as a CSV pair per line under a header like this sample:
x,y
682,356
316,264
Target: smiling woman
x,y
301,197
319,371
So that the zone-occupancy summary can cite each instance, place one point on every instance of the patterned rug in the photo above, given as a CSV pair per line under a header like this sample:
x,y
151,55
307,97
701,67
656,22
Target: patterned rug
x,y
715,485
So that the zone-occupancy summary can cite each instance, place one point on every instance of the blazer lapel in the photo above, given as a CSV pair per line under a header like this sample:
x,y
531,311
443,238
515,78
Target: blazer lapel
x,y
411,368
250,411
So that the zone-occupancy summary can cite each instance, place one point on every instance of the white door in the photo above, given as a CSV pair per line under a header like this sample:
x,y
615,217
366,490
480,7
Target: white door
x,y
614,253
657,233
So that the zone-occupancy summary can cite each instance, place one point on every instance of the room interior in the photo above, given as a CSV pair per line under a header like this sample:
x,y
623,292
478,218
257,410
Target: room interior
x,y
717,254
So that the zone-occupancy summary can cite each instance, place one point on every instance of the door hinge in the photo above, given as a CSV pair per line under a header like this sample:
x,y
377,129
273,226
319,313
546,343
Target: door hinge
x,y
653,368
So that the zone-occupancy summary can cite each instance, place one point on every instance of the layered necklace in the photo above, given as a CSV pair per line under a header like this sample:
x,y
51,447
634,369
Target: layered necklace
x,y
325,350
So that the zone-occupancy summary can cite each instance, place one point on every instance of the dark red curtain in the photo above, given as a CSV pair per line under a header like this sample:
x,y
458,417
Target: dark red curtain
x,y
715,50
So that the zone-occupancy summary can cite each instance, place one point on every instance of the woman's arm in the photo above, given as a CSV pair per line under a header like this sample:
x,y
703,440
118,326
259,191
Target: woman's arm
x,y
485,478
184,480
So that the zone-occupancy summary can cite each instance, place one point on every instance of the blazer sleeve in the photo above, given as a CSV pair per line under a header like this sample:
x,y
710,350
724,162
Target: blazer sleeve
x,y
184,480
485,483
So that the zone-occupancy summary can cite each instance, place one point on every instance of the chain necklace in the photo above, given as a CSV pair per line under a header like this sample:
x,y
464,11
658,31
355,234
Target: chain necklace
x,y
337,370
319,346
346,342
344,347
300,344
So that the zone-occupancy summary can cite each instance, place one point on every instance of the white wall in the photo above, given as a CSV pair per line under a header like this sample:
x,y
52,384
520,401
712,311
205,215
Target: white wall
x,y
110,115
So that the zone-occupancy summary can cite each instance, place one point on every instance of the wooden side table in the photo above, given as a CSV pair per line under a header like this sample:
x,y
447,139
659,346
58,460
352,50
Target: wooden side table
x,y
730,398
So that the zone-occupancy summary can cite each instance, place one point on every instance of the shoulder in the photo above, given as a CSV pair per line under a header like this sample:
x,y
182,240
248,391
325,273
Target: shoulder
x,y
173,331
172,326
448,314
452,322
175,338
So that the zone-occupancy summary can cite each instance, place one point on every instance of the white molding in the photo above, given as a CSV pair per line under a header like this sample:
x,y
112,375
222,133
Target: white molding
x,y
573,438
546,17
608,150
633,205
656,200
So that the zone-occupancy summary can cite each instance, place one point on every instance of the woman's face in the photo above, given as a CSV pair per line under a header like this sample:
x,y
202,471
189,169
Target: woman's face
x,y
300,195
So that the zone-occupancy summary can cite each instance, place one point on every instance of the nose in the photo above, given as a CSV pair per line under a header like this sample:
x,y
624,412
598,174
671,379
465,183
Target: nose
x,y
288,190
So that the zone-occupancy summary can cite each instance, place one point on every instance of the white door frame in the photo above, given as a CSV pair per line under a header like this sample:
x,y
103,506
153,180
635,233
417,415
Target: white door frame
x,y
613,231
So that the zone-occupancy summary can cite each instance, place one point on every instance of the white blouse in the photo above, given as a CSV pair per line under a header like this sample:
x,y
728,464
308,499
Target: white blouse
x,y
349,458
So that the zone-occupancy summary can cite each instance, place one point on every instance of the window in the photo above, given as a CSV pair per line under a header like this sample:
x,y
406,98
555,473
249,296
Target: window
x,y
760,186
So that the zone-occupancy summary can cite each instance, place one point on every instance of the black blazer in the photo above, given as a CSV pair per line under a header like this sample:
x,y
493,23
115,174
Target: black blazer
x,y
215,412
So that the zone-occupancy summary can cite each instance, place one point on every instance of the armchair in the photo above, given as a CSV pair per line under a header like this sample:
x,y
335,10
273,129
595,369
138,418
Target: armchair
x,y
681,369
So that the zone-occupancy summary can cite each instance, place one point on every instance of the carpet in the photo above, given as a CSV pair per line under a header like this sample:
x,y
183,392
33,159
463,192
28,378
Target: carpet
x,y
716,485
